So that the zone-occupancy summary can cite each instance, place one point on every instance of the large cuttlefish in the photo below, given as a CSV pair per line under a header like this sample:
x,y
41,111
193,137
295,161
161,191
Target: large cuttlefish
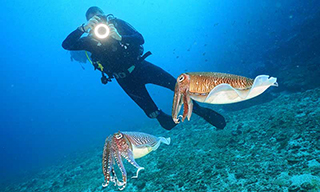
x,y
215,88
131,146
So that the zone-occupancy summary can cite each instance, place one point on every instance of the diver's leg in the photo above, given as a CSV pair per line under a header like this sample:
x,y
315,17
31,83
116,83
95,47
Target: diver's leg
x,y
211,116
155,75
140,95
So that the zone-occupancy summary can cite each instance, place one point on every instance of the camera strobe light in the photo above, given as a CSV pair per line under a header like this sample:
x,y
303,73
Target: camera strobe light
x,y
101,31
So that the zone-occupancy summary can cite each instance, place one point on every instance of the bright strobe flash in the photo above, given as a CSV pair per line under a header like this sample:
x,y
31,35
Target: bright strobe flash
x,y
101,31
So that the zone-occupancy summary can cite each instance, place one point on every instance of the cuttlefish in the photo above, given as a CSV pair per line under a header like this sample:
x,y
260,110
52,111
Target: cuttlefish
x,y
215,88
131,146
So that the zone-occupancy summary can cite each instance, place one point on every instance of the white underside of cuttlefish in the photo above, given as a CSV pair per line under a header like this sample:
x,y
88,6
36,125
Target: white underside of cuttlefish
x,y
128,145
215,88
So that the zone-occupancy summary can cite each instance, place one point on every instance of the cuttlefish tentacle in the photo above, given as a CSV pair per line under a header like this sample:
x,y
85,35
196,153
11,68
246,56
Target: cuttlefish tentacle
x,y
114,177
107,170
129,157
112,150
186,100
177,103
107,161
187,107
122,184
190,108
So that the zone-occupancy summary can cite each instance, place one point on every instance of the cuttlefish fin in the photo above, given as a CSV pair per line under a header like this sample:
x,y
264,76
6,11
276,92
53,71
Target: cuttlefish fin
x,y
221,94
225,93
260,84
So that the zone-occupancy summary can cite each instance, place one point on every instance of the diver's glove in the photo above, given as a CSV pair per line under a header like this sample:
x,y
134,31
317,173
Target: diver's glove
x,y
114,33
90,24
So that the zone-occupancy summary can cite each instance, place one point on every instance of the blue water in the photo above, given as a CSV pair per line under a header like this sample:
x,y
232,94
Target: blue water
x,y
51,107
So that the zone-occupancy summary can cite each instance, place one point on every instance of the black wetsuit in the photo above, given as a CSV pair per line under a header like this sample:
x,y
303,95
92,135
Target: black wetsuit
x,y
122,61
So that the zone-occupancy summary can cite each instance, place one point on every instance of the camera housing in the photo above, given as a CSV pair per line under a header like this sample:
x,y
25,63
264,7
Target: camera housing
x,y
102,30
106,18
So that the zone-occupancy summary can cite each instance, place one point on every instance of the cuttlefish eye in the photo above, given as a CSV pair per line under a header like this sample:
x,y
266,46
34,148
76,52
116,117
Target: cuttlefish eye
x,y
118,136
181,78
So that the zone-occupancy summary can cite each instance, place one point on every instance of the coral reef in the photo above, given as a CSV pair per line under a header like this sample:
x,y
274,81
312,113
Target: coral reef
x,y
274,146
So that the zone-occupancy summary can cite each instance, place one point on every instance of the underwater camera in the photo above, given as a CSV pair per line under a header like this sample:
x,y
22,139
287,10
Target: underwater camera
x,y
102,30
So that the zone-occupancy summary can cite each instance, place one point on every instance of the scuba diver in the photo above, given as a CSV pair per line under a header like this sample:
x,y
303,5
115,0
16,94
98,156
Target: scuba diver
x,y
116,50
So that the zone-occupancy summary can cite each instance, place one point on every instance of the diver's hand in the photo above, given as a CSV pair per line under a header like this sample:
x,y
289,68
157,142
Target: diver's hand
x,y
90,24
114,33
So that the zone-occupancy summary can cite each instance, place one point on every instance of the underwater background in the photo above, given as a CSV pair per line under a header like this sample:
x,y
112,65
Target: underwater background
x,y
56,114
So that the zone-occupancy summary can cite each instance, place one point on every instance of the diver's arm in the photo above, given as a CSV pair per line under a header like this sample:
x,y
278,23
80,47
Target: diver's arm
x,y
72,42
129,34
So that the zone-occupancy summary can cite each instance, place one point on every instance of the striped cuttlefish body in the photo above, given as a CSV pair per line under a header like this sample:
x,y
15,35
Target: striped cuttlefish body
x,y
215,88
128,145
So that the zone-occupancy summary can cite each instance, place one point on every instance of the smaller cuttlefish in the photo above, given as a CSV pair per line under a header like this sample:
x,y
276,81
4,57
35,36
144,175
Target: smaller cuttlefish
x,y
215,88
131,146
